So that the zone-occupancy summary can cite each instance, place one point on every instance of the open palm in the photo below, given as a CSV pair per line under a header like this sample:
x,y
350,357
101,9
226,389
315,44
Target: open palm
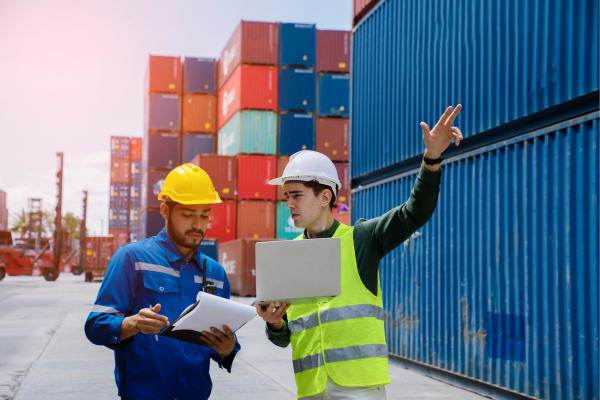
x,y
439,138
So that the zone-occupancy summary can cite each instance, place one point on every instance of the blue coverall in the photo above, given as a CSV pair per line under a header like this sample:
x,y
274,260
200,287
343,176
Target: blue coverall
x,y
146,273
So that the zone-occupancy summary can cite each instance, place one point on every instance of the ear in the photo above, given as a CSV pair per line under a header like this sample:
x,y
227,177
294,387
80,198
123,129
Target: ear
x,y
164,210
327,195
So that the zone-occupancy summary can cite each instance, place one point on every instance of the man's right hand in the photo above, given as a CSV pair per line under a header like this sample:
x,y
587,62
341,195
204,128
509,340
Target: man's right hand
x,y
273,317
146,321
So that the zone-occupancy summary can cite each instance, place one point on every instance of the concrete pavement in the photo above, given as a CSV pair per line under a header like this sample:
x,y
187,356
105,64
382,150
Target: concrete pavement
x,y
44,353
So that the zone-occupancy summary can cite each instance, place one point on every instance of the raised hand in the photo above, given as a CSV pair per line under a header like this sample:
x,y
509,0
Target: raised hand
x,y
439,138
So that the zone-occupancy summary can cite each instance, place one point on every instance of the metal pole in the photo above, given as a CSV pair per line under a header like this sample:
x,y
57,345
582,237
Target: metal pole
x,y
82,231
58,234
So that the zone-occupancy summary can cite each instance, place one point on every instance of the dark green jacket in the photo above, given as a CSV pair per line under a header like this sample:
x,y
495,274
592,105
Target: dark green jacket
x,y
375,238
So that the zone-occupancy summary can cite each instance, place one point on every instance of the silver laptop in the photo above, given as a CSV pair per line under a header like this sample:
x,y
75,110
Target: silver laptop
x,y
298,271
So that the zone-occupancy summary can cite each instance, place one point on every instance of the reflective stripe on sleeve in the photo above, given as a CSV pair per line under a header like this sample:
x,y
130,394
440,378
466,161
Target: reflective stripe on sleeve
x,y
356,352
308,362
140,266
351,312
304,323
106,310
218,284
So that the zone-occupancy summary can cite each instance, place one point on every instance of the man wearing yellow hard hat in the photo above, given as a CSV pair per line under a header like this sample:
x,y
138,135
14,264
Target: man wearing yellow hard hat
x,y
148,284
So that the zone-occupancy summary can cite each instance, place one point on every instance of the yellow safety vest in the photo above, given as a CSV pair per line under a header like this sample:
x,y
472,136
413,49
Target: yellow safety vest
x,y
343,338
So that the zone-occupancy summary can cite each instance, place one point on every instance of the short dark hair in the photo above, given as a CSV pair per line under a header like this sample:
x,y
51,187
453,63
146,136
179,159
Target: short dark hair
x,y
171,205
318,189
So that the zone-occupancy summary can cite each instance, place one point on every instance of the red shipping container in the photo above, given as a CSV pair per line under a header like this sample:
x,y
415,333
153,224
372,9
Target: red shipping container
x,y
254,173
199,113
119,170
98,252
344,177
2,199
361,8
251,43
256,219
332,138
333,51
222,222
135,148
121,237
222,171
250,87
164,75
282,161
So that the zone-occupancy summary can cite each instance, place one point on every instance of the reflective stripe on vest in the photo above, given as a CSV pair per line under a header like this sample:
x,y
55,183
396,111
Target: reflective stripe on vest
x,y
341,354
336,314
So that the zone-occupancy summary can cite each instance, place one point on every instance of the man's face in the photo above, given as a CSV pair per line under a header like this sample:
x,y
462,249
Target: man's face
x,y
186,224
304,206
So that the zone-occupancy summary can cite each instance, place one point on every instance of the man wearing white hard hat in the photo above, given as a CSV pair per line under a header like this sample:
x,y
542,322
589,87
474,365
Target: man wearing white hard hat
x,y
339,348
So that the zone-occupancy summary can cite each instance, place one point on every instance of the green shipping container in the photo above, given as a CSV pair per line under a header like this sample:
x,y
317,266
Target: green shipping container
x,y
285,224
249,132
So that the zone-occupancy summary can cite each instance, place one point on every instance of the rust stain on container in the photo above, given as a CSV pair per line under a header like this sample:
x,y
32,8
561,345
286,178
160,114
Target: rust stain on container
x,y
222,171
256,219
333,137
199,113
251,43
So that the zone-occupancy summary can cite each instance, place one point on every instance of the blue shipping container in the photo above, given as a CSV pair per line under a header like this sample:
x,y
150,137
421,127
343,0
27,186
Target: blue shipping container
x,y
333,95
152,184
119,147
501,285
194,144
163,113
297,90
296,132
134,219
297,45
136,171
118,217
152,223
135,195
160,151
119,195
210,248
503,60
199,75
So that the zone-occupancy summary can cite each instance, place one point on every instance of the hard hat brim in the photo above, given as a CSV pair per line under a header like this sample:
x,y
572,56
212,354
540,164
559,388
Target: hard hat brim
x,y
190,202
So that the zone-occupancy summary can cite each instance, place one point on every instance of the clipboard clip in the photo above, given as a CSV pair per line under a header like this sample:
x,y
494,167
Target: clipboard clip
x,y
207,286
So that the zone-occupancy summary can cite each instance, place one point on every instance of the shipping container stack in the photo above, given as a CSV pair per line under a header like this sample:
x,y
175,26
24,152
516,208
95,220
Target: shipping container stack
x,y
120,188
3,212
135,189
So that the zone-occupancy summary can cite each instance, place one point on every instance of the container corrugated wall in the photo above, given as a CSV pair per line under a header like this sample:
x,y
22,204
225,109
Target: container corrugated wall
x,y
249,132
501,285
503,60
285,224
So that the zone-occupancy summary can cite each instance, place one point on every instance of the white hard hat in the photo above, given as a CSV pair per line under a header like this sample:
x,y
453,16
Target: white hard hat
x,y
307,165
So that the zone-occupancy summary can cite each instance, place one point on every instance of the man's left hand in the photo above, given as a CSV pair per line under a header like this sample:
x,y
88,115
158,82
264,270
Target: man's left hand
x,y
439,138
224,344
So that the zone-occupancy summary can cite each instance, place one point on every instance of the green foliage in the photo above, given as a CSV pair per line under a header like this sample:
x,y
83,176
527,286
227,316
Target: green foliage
x,y
19,223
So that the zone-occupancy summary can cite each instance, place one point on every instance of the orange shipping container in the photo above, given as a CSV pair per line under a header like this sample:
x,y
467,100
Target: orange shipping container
x,y
332,138
222,222
119,170
222,171
98,252
238,258
282,161
344,177
250,87
199,113
121,237
256,219
254,173
135,148
164,75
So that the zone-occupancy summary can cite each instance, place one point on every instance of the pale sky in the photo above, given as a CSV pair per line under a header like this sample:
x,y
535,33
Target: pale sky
x,y
71,76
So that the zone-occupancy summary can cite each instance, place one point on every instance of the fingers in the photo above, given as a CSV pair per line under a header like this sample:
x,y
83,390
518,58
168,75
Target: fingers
x,y
145,313
444,116
222,343
458,136
156,308
425,128
449,120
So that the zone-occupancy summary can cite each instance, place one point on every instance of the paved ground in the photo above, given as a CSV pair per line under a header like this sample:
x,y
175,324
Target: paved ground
x,y
44,353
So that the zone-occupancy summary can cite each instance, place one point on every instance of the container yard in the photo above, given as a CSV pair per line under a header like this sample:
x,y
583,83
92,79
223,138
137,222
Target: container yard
x,y
469,264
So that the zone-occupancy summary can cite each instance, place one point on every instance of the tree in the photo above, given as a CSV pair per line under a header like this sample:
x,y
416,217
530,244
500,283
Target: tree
x,y
71,224
19,223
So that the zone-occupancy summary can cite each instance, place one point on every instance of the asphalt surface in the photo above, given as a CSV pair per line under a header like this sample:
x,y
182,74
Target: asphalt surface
x,y
44,353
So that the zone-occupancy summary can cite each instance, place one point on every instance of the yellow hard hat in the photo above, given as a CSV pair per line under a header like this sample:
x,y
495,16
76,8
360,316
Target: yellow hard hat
x,y
189,184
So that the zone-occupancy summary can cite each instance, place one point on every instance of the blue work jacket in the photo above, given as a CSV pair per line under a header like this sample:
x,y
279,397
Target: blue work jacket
x,y
146,273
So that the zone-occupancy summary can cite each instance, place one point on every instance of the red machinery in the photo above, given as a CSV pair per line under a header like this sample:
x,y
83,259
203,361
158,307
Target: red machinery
x,y
16,262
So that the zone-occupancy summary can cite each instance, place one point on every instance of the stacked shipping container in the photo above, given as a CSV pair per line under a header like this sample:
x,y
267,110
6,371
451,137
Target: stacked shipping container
x,y
499,291
3,212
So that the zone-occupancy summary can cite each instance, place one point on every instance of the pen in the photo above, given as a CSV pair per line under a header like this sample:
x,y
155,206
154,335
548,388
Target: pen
x,y
155,336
